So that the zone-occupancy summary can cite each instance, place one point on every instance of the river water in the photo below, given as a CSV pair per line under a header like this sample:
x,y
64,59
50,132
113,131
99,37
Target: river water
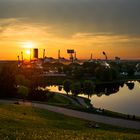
x,y
119,99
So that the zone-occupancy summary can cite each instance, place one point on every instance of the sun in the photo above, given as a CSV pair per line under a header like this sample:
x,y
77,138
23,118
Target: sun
x,y
28,52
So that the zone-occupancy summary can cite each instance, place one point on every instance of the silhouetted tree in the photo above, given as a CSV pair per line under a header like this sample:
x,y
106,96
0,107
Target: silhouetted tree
x,y
35,83
130,70
66,85
59,88
76,88
7,82
22,92
130,85
88,87
106,74
60,69
22,80
78,73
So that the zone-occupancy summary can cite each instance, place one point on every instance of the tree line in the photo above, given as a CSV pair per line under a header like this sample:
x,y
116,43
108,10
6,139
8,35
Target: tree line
x,y
86,87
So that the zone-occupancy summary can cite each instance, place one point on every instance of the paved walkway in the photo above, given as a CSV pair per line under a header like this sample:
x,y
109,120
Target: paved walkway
x,y
83,115
91,117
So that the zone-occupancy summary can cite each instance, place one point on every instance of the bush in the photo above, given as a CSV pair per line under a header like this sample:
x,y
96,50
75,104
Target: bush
x,y
40,95
22,92
7,82
21,80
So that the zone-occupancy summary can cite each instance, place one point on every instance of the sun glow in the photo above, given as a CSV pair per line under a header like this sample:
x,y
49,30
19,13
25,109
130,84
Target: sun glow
x,y
28,45
28,52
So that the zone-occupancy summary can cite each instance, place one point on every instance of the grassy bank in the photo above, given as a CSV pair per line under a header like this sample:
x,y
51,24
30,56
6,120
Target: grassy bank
x,y
62,101
22,122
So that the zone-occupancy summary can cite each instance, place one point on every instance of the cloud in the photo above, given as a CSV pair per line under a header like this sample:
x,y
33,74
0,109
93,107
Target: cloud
x,y
71,16
110,25
16,29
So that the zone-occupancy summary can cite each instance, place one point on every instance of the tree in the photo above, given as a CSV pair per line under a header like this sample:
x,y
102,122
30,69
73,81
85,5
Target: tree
x,y
76,88
38,95
67,85
7,82
59,88
130,85
22,80
130,70
88,87
78,73
60,69
102,73
22,92
106,74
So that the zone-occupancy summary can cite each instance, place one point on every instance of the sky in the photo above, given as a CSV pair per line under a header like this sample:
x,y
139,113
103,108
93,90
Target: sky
x,y
87,26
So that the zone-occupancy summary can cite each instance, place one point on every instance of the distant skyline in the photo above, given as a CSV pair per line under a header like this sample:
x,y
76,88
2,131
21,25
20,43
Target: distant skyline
x,y
88,26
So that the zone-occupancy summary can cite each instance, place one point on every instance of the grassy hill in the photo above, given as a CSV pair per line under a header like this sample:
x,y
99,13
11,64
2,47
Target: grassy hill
x,y
27,123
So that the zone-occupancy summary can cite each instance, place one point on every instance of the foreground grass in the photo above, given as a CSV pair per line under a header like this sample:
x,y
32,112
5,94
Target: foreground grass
x,y
26,123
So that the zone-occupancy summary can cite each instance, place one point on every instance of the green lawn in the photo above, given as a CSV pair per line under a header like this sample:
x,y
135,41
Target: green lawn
x,y
58,99
26,123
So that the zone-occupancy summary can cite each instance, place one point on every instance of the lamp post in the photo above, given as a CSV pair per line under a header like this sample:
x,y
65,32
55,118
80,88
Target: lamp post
x,y
105,55
30,54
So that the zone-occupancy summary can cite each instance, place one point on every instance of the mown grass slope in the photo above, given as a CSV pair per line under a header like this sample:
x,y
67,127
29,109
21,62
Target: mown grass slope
x,y
27,123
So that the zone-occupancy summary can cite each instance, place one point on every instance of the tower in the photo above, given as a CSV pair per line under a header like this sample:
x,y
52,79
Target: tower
x,y
59,54
43,53
70,52
75,56
35,53
22,56
18,59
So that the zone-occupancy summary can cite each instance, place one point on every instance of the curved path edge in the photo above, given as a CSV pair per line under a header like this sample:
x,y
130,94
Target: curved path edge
x,y
83,115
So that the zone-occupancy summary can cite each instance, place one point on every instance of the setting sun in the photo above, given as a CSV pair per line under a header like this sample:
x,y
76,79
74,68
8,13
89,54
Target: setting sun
x,y
28,52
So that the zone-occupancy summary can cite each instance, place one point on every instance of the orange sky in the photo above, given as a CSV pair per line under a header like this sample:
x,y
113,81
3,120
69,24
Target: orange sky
x,y
87,26
17,38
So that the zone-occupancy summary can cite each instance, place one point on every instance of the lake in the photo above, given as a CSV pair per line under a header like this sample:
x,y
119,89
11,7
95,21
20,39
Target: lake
x,y
123,98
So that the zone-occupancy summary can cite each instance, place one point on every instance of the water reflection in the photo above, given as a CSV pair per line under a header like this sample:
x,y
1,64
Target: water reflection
x,y
125,100
121,97
107,89
100,89
112,88
130,85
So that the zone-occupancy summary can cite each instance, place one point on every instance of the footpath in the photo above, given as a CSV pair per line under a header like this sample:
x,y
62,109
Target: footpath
x,y
82,115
